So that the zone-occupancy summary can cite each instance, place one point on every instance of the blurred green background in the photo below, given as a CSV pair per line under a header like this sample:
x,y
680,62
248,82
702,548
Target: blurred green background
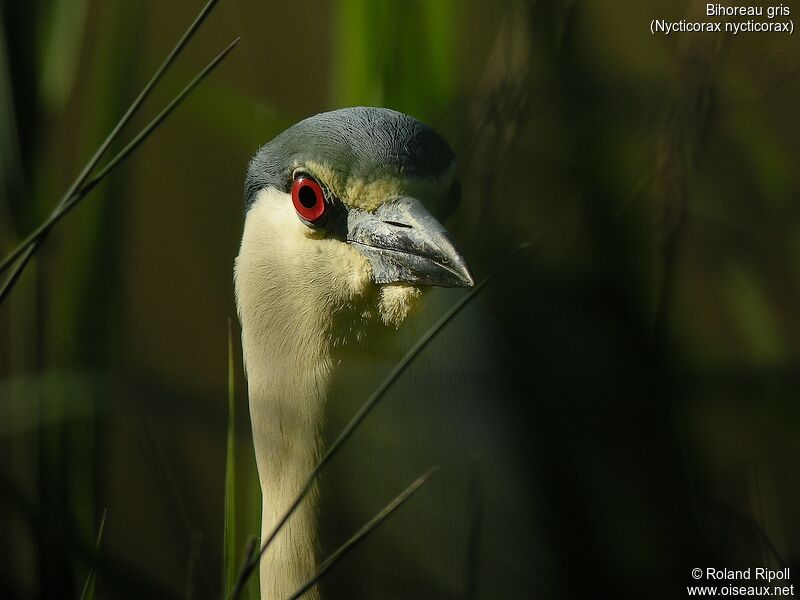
x,y
654,319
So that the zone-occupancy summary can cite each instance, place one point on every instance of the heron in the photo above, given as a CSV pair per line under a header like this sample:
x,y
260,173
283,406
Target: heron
x,y
336,238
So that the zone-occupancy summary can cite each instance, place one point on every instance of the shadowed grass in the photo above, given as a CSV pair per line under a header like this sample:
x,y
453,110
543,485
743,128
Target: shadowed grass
x,y
193,534
362,533
88,587
79,187
40,232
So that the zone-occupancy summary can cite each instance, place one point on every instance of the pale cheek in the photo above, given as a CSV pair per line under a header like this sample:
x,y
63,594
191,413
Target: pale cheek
x,y
396,302
358,274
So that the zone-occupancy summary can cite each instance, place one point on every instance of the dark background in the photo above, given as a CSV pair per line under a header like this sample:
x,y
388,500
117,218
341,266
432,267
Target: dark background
x,y
653,324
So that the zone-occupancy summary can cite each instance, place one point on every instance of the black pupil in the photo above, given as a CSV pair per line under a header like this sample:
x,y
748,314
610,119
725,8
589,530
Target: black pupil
x,y
308,197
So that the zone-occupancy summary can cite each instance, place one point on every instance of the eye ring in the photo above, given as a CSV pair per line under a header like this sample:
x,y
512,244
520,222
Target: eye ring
x,y
309,200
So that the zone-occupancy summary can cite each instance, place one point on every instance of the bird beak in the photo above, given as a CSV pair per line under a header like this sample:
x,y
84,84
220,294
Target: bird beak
x,y
404,243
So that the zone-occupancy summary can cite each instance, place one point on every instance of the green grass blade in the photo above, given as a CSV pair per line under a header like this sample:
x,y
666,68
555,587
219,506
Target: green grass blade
x,y
144,133
88,586
89,167
229,532
249,555
117,159
362,533
30,245
60,50
27,251
11,281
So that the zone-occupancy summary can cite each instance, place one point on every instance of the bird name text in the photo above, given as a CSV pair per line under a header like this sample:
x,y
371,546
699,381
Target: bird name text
x,y
775,18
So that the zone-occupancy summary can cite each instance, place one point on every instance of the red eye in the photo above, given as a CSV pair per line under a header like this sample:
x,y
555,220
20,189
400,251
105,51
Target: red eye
x,y
309,200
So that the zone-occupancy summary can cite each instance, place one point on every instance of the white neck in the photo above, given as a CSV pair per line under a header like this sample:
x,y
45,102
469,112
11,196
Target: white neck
x,y
286,408
288,287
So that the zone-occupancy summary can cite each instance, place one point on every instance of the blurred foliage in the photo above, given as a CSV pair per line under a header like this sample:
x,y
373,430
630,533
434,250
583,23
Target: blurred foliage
x,y
375,65
652,329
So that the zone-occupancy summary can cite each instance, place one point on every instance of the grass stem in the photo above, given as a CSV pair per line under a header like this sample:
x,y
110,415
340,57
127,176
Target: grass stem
x,y
80,187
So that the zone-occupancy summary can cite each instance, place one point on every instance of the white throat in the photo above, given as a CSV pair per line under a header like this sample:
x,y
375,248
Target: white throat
x,y
289,284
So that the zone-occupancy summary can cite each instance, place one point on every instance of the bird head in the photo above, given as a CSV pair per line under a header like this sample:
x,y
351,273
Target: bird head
x,y
335,218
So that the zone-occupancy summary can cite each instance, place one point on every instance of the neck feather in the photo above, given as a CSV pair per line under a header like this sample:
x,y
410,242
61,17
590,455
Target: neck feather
x,y
289,285
286,408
